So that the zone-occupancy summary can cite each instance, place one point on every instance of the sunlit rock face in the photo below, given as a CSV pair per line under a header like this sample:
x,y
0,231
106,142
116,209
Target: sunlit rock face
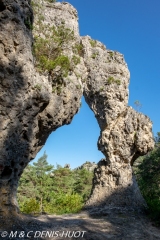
x,y
125,133
35,101
114,184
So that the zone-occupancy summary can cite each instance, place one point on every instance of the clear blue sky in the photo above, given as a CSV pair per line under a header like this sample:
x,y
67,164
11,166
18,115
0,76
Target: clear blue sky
x,y
131,27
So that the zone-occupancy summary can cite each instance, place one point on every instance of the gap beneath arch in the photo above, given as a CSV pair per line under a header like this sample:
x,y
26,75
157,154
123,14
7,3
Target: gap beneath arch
x,y
48,186
75,143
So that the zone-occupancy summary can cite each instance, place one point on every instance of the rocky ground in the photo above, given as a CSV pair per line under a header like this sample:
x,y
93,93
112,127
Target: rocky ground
x,y
118,224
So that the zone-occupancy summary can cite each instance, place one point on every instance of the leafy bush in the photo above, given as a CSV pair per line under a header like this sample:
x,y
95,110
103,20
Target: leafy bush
x,y
65,203
94,55
111,54
118,81
48,51
112,80
93,43
78,49
49,48
30,206
75,60
28,24
38,86
147,171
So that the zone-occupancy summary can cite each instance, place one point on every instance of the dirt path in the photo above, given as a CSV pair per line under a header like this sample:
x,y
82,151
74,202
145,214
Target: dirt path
x,y
98,225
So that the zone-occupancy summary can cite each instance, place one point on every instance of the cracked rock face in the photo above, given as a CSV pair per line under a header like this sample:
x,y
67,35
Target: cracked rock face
x,y
34,103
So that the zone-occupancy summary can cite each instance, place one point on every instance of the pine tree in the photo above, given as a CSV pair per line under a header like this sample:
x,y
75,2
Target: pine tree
x,y
28,188
42,165
42,169
83,182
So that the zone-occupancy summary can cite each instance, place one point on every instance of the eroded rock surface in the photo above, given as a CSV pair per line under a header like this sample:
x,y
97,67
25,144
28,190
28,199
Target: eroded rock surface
x,y
29,108
34,102
125,133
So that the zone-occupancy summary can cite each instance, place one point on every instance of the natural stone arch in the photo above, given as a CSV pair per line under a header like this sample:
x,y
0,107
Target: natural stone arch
x,y
30,110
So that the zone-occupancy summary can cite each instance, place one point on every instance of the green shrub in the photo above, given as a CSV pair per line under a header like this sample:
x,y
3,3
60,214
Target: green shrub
x,y
63,62
78,86
48,53
94,55
110,80
118,81
30,206
93,43
101,89
76,60
111,54
28,24
48,50
38,86
65,203
50,42
84,80
147,171
78,49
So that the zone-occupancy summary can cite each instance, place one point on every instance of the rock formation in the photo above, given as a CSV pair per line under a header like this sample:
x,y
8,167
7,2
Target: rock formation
x,y
89,166
29,108
38,95
125,133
